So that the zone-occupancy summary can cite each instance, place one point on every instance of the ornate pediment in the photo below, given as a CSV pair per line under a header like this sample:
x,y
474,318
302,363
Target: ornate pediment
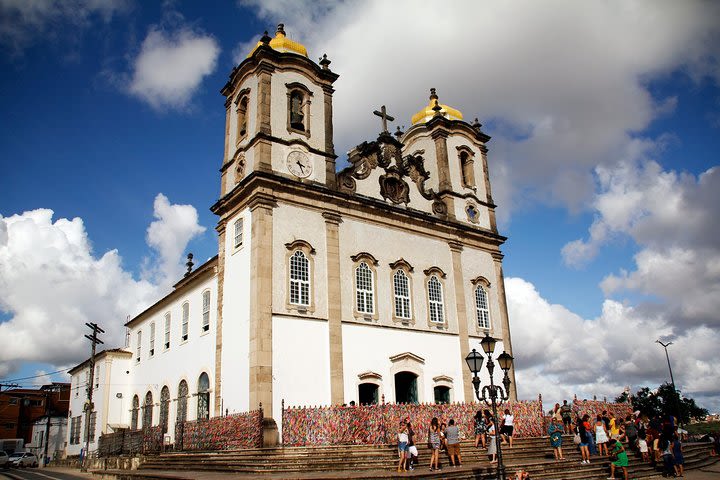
x,y
399,172
407,356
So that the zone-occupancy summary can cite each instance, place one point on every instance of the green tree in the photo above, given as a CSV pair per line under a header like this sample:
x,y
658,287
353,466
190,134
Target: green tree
x,y
665,401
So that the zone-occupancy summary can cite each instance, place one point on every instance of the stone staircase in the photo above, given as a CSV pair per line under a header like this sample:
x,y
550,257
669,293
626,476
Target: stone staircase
x,y
378,461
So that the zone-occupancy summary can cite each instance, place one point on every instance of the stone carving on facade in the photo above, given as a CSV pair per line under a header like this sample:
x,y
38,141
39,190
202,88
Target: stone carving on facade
x,y
386,153
239,167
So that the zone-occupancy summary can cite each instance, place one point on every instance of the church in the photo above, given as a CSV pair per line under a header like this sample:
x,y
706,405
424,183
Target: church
x,y
330,285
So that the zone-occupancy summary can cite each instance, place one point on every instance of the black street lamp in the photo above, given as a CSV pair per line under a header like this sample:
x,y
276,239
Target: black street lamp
x,y
491,394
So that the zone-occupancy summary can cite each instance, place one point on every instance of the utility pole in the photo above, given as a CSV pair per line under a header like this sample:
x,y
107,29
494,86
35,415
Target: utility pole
x,y
89,405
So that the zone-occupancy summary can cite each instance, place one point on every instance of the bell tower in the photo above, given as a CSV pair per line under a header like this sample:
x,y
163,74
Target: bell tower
x,y
278,115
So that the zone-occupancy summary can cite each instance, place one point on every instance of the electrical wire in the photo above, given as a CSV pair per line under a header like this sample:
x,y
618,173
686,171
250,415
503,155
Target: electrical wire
x,y
36,376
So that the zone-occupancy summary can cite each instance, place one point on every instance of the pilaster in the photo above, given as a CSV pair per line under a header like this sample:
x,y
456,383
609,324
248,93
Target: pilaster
x,y
260,354
332,235
439,136
456,249
330,176
507,343
489,199
217,388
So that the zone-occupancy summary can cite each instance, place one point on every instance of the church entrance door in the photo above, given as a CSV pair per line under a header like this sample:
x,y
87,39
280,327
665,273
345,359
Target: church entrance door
x,y
406,387
368,394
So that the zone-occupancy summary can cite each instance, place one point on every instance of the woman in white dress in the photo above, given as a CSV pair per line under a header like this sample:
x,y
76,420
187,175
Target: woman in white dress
x,y
492,441
601,436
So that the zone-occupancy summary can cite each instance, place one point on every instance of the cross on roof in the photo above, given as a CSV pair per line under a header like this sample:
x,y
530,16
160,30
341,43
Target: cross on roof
x,y
385,117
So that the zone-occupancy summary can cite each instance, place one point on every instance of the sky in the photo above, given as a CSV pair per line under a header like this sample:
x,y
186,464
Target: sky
x,y
605,121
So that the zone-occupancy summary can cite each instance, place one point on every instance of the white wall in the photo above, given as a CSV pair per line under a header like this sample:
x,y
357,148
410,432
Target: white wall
x,y
301,369
236,318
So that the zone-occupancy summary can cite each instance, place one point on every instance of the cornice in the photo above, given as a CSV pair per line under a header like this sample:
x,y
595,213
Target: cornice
x,y
353,206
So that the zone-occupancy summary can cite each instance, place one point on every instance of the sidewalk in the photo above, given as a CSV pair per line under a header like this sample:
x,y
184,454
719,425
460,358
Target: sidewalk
x,y
706,473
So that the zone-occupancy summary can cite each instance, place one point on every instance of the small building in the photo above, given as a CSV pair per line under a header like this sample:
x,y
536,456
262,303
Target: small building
x,y
49,438
20,408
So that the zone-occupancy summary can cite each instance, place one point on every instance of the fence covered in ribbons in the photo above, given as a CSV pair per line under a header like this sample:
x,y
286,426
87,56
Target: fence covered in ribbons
x,y
377,424
241,430
596,407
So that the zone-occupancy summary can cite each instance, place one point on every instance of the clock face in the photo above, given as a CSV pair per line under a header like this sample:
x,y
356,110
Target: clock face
x,y
299,164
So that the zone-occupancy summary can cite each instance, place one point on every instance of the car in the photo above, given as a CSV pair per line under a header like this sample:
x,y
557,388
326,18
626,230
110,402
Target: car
x,y
23,459
4,459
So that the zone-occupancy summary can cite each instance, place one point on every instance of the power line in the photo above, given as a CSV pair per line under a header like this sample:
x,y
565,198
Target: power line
x,y
37,376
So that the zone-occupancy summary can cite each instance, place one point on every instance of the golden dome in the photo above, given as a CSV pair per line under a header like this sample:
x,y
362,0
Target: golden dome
x,y
283,44
431,109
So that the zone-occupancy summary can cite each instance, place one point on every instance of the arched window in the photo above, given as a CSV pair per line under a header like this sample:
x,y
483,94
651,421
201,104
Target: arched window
x,y
442,394
481,308
148,410
185,320
467,168
435,300
134,413
152,339
364,289
401,290
297,115
167,330
299,279
368,394
164,408
242,118
206,311
298,108
203,394
182,401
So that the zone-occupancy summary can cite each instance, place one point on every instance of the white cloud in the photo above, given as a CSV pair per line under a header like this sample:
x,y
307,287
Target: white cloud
x,y
51,283
570,76
672,217
559,353
169,234
22,22
171,65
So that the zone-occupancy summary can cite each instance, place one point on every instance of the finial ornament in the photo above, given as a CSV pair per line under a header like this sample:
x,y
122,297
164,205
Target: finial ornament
x,y
385,117
265,39
189,264
324,62
281,28
437,108
476,124
399,133
433,95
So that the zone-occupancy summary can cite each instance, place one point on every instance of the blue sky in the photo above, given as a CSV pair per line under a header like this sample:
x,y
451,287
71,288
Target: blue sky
x,y
605,121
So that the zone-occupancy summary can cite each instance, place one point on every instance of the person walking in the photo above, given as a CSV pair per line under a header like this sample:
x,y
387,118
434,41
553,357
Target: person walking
x,y
555,431
402,446
412,453
480,427
619,458
507,429
679,460
434,443
584,439
566,414
492,440
452,436
601,436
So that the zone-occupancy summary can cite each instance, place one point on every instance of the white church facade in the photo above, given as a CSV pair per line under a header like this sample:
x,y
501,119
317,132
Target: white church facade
x,y
329,286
